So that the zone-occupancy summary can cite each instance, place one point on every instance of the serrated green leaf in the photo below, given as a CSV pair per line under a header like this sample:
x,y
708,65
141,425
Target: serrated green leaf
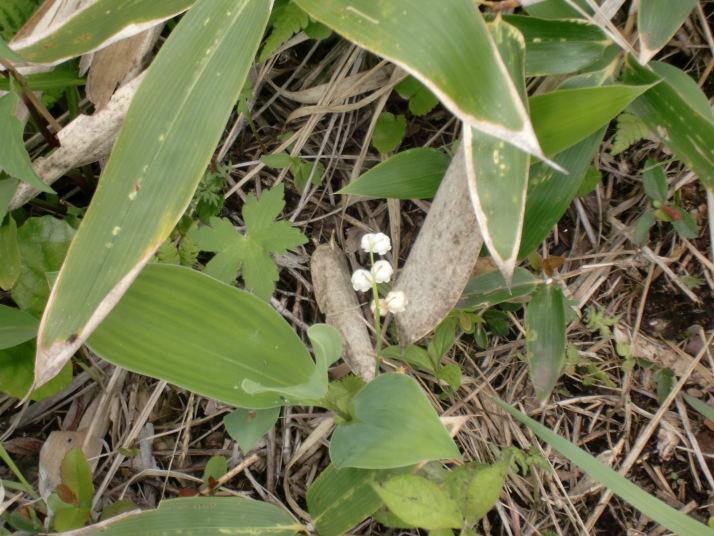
x,y
411,174
286,20
168,253
630,130
13,155
388,132
247,426
545,338
420,502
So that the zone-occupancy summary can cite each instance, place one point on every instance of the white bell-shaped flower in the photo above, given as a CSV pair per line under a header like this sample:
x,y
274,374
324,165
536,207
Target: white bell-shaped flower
x,y
379,243
361,280
382,271
383,310
396,301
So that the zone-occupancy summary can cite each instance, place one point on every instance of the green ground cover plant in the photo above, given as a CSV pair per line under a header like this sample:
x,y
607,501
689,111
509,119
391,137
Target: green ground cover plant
x,y
145,276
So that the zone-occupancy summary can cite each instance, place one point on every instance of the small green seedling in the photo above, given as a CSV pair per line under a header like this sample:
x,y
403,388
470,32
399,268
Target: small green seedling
x,y
654,181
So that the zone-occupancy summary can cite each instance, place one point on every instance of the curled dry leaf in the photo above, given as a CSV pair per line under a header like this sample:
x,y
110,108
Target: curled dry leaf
x,y
340,305
443,256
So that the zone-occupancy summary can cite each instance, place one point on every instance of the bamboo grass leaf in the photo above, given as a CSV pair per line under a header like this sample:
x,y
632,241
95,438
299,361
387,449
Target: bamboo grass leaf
x,y
657,22
163,149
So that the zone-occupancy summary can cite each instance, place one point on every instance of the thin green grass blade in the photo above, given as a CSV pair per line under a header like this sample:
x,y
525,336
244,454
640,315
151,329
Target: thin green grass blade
x,y
446,47
649,505
97,26
165,145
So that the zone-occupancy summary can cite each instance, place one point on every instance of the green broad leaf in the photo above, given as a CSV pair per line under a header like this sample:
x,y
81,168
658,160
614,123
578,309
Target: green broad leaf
x,y
9,254
703,408
43,244
630,130
498,171
13,155
450,51
203,516
564,117
16,370
420,502
421,100
57,79
411,174
388,132
16,327
442,341
394,426
555,9
99,25
558,46
73,517
476,487
685,225
451,374
550,192
171,315
8,53
657,22
121,506
250,252
589,182
491,289
77,476
654,181
216,467
339,499
659,511
8,187
545,337
154,168
415,355
668,115
641,232
247,426
303,172
278,160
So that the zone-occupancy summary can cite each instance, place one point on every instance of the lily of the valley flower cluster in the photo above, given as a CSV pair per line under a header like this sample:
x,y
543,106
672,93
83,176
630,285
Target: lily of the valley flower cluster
x,y
381,272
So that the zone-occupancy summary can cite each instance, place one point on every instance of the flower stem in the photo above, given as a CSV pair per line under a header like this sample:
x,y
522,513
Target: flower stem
x,y
377,323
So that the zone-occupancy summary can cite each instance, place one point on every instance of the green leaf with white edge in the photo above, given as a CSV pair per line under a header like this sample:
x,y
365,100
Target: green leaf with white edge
x,y
411,174
16,326
421,100
339,499
43,244
250,252
550,192
657,22
659,511
247,426
394,426
9,254
420,502
172,314
8,53
327,344
491,289
668,115
388,132
566,116
554,9
16,368
476,487
545,337
99,25
558,46
77,475
450,51
654,181
202,516
498,171
13,155
703,408
154,168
